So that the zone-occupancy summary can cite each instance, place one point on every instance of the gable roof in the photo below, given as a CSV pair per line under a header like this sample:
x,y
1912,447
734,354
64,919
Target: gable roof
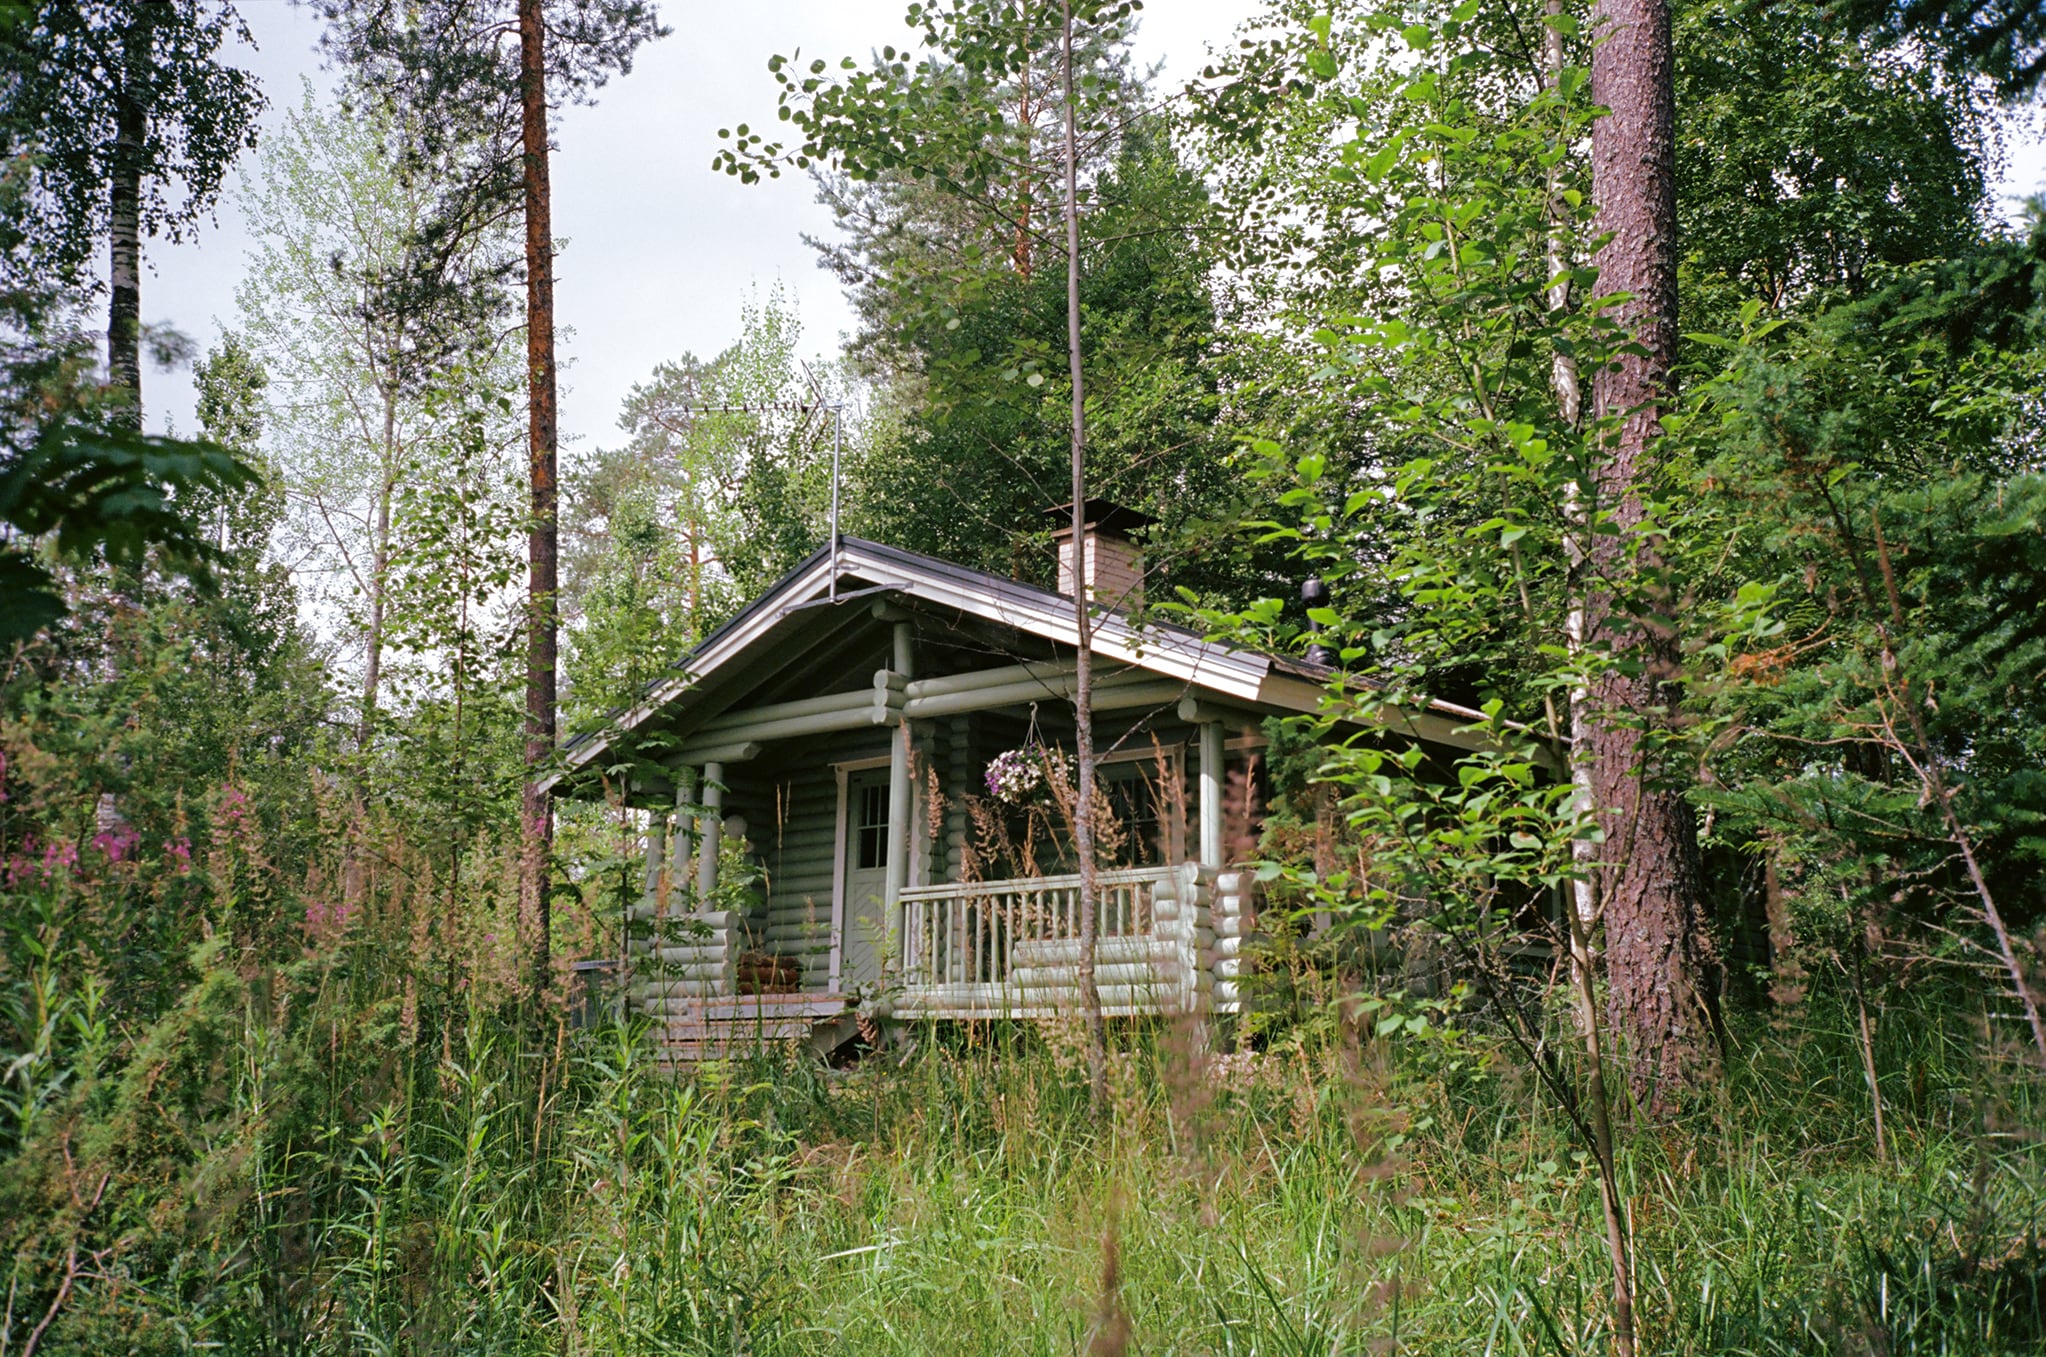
x,y
1238,674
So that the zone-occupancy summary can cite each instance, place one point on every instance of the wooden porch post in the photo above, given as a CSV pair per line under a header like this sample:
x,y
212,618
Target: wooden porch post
x,y
685,835
707,833
841,844
656,847
1211,794
898,790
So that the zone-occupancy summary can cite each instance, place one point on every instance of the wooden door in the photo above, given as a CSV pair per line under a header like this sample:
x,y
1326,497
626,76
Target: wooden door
x,y
864,851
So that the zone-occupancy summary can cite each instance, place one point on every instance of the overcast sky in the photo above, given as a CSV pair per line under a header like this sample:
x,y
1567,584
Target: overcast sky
x,y
660,251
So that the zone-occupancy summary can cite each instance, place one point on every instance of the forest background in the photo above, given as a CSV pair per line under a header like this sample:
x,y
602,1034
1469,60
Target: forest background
x,y
291,1061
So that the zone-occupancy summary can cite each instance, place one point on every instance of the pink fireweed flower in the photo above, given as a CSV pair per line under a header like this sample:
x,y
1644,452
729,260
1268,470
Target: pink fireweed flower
x,y
234,803
117,842
178,853
325,921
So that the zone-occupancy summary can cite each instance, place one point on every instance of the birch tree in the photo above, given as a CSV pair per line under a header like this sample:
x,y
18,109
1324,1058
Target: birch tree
x,y
721,485
960,116
478,82
137,120
355,352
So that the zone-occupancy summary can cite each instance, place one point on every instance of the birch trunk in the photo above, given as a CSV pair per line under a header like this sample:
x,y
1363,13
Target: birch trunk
x,y
379,574
1568,385
1582,924
1648,879
535,820
124,226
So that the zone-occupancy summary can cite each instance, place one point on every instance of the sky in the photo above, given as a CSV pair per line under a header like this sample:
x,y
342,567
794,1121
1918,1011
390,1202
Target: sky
x,y
660,251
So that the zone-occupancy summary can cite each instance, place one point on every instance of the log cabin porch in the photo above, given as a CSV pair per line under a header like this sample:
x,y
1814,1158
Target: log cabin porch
x,y
823,847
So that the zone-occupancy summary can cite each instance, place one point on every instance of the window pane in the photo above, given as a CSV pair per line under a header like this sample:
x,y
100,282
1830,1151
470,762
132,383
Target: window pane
x,y
1132,797
873,827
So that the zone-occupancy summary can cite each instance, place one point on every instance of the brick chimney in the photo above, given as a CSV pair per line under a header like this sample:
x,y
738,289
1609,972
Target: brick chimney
x,y
1115,563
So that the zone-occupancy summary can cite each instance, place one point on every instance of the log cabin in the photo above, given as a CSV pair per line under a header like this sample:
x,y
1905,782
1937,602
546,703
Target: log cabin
x,y
825,839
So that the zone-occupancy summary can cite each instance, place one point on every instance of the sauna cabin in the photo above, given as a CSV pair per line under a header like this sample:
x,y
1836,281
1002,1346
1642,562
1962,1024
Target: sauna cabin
x,y
857,794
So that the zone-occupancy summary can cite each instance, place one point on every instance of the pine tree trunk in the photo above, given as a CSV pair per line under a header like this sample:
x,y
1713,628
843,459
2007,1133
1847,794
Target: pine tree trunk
x,y
1648,884
1083,621
124,226
536,821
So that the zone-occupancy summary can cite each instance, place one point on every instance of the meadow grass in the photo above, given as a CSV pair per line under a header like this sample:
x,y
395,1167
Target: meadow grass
x,y
1319,1203
952,1195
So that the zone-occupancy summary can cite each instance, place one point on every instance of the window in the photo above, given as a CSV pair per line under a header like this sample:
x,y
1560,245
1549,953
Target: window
x,y
1131,789
870,827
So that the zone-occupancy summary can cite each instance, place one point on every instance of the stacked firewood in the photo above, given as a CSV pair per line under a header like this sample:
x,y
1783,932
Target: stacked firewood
x,y
766,973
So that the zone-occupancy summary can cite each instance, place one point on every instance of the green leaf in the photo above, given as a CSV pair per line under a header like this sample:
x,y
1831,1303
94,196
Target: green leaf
x,y
1382,160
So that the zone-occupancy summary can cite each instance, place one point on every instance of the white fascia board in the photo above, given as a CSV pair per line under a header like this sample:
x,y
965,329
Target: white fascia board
x,y
1300,695
1235,673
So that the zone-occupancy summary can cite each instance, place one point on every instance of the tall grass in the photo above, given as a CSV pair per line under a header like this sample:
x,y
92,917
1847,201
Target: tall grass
x,y
519,1188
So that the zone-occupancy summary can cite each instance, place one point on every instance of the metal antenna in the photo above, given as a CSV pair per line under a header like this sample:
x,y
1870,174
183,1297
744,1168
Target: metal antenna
x,y
837,411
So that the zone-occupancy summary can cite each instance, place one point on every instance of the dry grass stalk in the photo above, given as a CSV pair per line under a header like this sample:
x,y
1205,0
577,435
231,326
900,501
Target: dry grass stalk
x,y
1111,1332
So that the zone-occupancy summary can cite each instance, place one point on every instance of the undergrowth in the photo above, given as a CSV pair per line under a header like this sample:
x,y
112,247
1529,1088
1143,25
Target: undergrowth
x,y
258,1181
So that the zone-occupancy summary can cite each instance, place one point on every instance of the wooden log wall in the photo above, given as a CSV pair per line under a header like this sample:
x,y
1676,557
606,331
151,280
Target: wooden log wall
x,y
692,958
1165,970
796,838
1234,926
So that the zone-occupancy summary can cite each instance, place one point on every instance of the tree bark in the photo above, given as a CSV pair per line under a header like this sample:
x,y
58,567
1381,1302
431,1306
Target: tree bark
x,y
353,855
379,571
1568,385
536,821
1582,923
1020,255
1083,621
124,224
1648,879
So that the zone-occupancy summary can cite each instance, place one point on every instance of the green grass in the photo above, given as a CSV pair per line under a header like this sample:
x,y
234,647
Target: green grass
x,y
957,1199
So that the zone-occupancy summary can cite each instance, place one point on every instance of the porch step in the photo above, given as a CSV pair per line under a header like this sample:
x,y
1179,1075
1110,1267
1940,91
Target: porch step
x,y
693,1030
688,1043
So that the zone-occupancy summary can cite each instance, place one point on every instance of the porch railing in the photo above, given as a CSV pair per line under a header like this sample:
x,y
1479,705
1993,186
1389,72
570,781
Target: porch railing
x,y
966,933
1009,948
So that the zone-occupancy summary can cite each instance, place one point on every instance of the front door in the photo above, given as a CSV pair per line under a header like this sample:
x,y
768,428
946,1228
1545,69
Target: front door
x,y
866,878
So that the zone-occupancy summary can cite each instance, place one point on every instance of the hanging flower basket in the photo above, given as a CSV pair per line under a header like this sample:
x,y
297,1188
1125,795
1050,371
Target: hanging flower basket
x,y
1016,777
